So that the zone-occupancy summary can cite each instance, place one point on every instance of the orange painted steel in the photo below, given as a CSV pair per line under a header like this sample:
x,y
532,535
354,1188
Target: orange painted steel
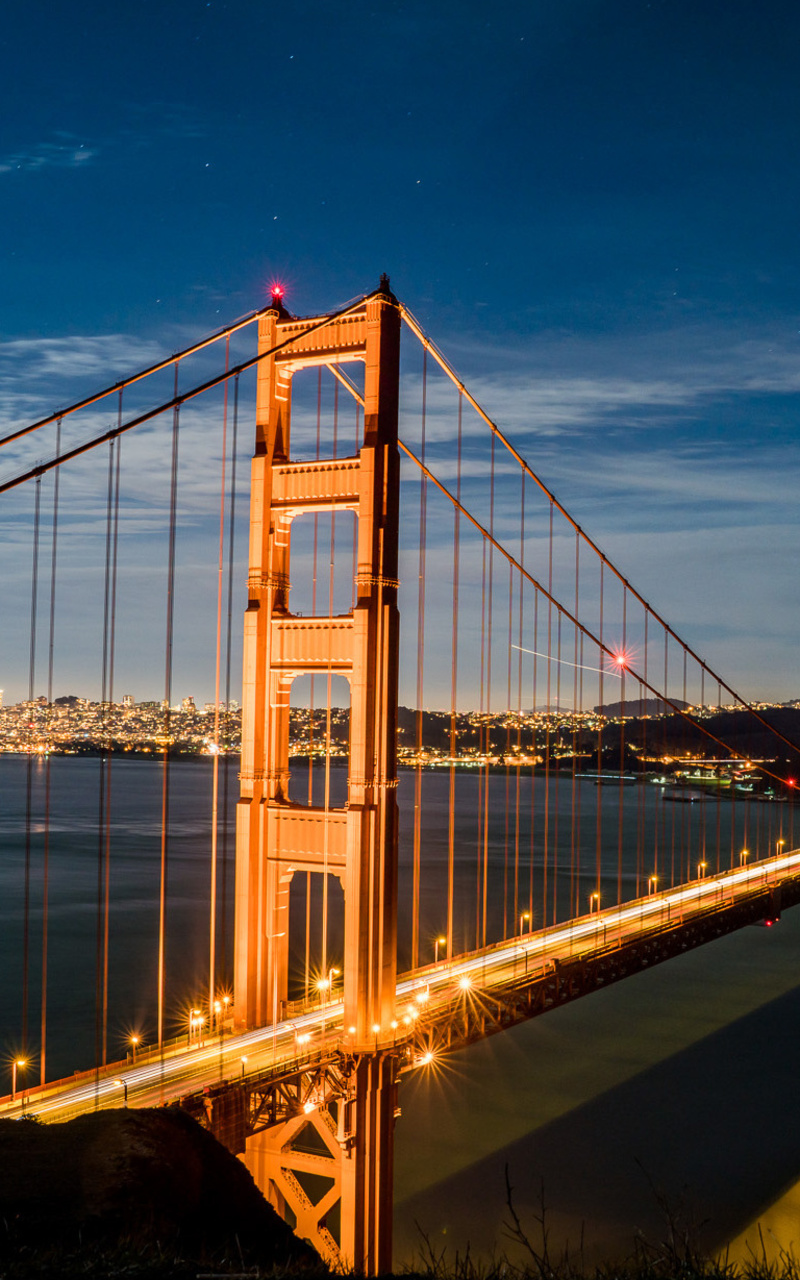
x,y
277,838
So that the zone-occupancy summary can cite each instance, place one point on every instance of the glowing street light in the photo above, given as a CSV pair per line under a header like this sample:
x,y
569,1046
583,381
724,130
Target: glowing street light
x,y
594,902
376,1027
437,944
701,870
196,1020
652,883
244,1063
18,1063
123,1084
781,843
526,915
134,1042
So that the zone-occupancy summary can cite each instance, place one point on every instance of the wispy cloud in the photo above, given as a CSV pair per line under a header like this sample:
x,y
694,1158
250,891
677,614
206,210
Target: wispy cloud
x,y
142,126
63,151
692,518
24,360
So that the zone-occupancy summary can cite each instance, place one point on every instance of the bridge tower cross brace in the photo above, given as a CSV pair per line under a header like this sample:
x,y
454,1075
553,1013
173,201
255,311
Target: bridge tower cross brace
x,y
275,837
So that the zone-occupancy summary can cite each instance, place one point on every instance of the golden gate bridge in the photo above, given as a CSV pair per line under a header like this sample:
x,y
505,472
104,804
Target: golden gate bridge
x,y
401,551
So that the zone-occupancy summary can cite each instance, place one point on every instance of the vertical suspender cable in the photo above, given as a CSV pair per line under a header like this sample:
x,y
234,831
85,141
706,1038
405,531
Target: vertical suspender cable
x,y
29,775
451,817
557,780
641,873
620,790
46,858
598,809
520,633
482,749
548,724
111,655
328,710
311,706
423,523
170,622
226,771
577,708
487,768
536,738
105,755
212,919
506,832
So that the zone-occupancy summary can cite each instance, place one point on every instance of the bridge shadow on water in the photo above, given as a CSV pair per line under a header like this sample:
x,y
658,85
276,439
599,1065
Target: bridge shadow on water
x,y
617,1106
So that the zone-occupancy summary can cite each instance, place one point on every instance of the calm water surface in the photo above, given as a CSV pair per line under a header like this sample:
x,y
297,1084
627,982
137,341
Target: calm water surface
x,y
676,1087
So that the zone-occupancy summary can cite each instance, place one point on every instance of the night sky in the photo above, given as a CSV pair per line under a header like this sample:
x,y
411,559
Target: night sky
x,y
592,208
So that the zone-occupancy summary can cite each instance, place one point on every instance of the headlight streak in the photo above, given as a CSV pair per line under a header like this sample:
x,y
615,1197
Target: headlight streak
x,y
182,1068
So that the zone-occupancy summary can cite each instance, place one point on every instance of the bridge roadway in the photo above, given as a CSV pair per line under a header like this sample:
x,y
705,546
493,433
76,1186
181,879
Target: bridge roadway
x,y
317,1031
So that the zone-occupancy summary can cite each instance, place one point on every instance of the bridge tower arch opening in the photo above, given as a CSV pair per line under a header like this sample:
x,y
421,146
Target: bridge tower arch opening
x,y
276,837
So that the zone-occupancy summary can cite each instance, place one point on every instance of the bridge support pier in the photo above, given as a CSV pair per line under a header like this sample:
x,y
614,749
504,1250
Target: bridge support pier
x,y
321,1153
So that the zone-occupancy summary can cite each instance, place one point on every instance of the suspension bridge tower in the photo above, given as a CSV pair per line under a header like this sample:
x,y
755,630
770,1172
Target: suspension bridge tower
x,y
277,838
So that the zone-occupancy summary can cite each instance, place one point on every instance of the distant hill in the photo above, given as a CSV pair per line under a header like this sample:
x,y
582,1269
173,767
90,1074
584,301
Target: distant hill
x,y
641,707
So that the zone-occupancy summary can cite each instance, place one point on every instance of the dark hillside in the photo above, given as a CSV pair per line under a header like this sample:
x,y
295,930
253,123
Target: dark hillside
x,y
149,1186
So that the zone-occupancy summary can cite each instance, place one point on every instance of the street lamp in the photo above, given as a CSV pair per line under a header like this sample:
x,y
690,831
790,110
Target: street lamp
x,y
526,915
376,1029
244,1064
743,857
594,902
20,1063
781,843
651,884
437,944
123,1084
701,870
134,1042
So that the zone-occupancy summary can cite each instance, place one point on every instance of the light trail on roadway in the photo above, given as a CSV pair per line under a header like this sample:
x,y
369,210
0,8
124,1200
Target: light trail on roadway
x,y
303,1039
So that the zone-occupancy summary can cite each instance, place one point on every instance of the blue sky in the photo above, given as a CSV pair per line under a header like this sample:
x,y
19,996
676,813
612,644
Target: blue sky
x,y
592,207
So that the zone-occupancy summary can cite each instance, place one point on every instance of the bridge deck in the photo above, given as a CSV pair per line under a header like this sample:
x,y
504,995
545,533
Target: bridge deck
x,y
449,1004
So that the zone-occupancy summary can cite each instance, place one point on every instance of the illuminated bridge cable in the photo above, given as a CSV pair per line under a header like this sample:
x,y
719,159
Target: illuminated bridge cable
x,y
37,502
119,387
577,703
451,817
165,796
601,702
311,702
172,404
228,655
47,770
489,625
423,534
212,918
482,751
104,786
596,640
444,364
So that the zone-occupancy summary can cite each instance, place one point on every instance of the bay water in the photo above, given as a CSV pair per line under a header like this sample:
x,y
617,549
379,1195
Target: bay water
x,y
669,1099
